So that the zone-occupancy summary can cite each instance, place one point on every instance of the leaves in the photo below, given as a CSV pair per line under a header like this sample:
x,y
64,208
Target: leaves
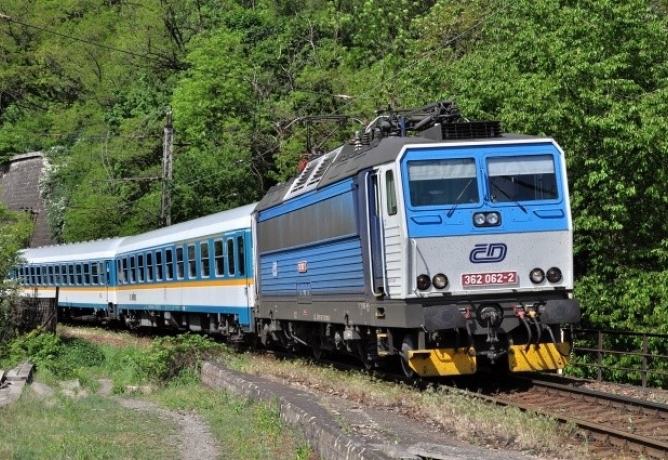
x,y
91,82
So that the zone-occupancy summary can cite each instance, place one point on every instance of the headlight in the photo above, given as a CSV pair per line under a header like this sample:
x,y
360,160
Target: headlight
x,y
486,219
423,282
554,275
537,275
440,281
492,218
479,219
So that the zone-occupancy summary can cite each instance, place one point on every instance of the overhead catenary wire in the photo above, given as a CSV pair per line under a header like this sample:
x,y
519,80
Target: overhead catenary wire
x,y
10,19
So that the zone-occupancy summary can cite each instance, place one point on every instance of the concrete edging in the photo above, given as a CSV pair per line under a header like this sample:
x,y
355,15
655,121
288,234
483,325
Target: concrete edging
x,y
297,408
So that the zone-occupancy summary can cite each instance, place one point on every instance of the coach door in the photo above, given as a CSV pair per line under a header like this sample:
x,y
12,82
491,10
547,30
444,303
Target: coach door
x,y
238,255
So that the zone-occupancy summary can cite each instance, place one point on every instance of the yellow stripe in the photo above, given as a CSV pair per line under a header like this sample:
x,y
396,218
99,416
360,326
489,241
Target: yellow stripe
x,y
134,287
188,284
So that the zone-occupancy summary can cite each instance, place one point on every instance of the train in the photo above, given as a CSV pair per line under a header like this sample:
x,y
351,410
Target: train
x,y
427,239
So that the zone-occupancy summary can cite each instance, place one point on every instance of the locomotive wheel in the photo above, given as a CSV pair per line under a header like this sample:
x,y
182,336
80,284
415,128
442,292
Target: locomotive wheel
x,y
407,345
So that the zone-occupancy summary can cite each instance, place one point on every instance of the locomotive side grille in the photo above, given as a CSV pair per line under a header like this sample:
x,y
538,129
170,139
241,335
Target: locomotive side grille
x,y
471,130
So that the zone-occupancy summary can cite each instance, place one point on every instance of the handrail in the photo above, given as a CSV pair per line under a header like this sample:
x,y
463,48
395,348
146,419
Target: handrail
x,y
607,358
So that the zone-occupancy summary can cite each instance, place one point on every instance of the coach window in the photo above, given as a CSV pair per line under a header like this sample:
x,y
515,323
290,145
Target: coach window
x,y
192,262
94,276
149,266
219,257
86,273
204,258
79,277
124,270
230,256
158,265
140,268
133,270
180,263
242,256
49,274
169,263
119,272
391,193
63,275
71,272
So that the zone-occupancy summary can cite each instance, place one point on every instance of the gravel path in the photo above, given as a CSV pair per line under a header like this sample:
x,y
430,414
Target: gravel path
x,y
196,443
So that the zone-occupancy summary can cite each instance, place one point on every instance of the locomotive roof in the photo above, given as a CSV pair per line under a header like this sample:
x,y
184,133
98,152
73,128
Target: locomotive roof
x,y
233,219
87,250
381,142
347,162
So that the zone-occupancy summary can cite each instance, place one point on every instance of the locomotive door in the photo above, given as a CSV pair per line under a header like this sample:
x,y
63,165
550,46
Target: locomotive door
x,y
375,235
384,229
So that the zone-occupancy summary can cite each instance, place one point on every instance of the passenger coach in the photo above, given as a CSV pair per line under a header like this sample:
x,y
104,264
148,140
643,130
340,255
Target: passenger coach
x,y
196,275
80,275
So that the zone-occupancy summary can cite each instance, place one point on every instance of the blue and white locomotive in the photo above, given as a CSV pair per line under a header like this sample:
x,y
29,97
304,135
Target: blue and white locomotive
x,y
437,241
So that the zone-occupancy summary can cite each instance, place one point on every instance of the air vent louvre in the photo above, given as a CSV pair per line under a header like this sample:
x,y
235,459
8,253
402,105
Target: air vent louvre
x,y
471,130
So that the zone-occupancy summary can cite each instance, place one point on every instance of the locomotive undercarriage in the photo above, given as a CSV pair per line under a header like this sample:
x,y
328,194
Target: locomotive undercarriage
x,y
493,336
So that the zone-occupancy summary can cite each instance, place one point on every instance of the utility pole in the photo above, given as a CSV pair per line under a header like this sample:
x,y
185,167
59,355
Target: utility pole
x,y
167,157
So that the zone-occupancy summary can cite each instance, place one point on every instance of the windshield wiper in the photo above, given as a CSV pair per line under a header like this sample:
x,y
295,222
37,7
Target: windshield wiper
x,y
459,197
504,193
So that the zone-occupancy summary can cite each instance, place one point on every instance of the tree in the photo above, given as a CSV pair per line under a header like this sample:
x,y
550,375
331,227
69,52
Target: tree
x,y
592,74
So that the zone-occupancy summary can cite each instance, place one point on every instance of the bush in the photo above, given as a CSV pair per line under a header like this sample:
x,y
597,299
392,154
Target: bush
x,y
62,357
170,357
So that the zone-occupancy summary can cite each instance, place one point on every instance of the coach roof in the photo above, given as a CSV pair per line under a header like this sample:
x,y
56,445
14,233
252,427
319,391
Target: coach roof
x,y
233,219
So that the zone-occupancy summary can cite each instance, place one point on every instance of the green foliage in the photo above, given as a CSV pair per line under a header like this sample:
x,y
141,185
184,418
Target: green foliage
x,y
592,74
62,358
171,357
15,231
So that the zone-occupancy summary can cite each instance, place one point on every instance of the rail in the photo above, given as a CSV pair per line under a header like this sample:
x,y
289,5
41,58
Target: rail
x,y
621,356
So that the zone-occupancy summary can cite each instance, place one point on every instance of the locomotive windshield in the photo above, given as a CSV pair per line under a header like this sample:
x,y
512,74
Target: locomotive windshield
x,y
526,178
443,182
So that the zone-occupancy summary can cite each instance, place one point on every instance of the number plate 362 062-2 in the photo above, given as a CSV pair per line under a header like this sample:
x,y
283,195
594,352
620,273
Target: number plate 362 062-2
x,y
489,279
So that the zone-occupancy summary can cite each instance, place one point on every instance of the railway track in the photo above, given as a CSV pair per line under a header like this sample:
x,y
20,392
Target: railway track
x,y
614,426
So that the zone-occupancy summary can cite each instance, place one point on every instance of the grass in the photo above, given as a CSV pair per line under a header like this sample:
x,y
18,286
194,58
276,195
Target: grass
x,y
170,369
97,427
454,411
251,430
88,428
